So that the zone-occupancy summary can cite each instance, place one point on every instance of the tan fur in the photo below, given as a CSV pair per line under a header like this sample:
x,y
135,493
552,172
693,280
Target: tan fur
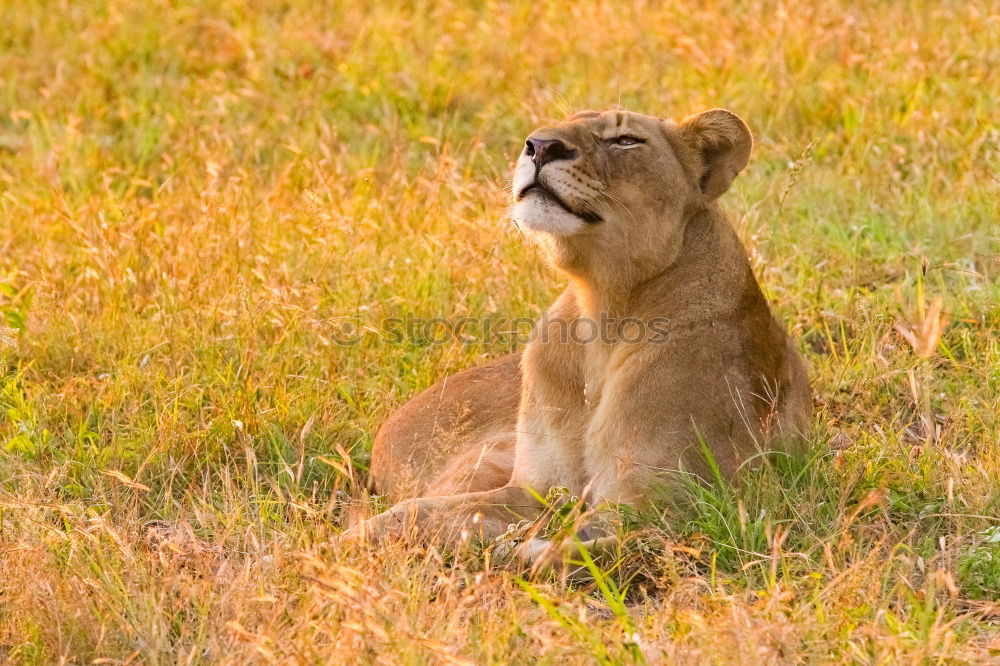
x,y
640,236
455,436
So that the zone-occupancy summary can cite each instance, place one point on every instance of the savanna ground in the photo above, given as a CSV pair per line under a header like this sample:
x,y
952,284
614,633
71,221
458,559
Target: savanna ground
x,y
198,198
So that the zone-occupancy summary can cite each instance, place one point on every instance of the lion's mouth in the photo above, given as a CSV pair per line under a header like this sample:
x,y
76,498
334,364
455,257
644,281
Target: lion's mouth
x,y
585,215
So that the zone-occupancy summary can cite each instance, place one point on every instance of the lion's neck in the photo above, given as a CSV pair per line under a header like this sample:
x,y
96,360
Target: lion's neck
x,y
710,250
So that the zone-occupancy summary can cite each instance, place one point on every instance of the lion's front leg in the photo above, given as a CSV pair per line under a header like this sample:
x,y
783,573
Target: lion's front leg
x,y
452,518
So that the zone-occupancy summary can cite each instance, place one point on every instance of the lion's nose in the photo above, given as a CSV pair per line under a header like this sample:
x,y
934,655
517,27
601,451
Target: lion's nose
x,y
543,151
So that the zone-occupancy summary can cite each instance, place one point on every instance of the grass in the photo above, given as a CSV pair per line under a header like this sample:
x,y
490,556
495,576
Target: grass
x,y
197,199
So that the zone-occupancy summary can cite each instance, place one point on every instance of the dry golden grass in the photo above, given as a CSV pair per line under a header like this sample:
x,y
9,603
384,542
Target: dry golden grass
x,y
196,197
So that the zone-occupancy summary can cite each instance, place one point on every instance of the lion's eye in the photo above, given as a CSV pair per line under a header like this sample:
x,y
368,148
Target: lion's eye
x,y
626,140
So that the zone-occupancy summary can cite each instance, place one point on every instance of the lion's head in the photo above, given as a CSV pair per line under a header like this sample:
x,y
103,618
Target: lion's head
x,y
610,193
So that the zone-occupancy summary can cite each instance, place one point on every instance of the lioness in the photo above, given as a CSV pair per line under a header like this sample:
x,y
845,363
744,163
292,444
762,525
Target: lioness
x,y
625,205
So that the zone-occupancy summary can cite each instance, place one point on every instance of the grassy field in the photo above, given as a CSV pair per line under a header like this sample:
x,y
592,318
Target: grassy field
x,y
198,198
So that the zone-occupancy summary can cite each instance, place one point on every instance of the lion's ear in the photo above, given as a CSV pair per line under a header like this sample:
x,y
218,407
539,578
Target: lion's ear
x,y
723,141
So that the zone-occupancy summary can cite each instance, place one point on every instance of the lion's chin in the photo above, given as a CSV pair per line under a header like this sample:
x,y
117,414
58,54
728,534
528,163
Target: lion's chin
x,y
535,212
